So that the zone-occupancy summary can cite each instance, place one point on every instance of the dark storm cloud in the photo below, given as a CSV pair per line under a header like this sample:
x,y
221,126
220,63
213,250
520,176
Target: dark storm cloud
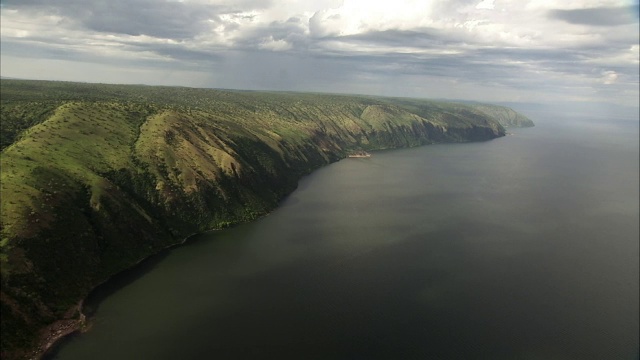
x,y
603,16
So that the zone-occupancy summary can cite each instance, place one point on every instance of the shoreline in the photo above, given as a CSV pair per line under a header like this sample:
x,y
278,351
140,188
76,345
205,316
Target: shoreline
x,y
58,330
54,333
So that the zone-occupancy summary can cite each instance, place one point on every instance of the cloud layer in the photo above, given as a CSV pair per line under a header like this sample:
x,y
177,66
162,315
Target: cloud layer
x,y
488,50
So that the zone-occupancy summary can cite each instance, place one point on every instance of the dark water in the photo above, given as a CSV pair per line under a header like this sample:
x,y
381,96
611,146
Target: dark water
x,y
524,247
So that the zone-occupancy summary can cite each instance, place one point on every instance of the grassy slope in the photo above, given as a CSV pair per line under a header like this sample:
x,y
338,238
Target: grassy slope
x,y
96,177
506,116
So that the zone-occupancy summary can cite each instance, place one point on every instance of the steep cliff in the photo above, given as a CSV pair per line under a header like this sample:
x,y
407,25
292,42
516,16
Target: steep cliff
x,y
97,177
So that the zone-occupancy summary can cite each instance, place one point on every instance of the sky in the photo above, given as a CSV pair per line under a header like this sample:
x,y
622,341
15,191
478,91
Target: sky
x,y
486,50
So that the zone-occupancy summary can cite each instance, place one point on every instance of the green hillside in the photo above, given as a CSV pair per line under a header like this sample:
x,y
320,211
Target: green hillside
x,y
94,177
506,117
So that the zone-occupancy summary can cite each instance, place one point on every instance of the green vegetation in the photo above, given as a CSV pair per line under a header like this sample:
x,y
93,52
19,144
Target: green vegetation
x,y
97,177
505,116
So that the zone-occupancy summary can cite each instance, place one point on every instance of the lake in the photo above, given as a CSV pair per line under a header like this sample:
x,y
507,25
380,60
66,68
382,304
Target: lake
x,y
523,247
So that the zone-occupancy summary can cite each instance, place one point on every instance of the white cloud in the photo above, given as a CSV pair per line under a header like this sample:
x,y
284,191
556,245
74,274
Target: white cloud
x,y
357,16
609,77
571,4
486,4
275,45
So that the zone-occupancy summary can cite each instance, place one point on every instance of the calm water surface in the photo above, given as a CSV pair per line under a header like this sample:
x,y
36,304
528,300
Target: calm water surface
x,y
524,247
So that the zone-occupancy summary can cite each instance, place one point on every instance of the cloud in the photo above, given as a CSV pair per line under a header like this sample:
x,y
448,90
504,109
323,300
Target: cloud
x,y
356,16
290,34
609,77
275,45
603,16
486,4
483,49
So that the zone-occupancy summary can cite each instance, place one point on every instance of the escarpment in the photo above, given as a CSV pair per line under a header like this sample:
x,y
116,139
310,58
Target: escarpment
x,y
97,177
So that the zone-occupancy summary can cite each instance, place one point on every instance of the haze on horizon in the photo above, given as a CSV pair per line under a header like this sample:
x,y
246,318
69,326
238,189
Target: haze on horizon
x,y
543,51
